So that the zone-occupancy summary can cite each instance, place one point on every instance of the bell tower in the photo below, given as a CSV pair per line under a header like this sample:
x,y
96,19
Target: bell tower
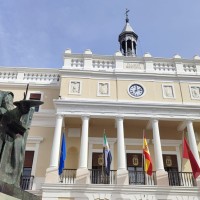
x,y
128,39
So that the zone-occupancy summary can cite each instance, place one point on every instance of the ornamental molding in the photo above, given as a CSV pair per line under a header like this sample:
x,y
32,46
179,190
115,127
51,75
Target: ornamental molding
x,y
126,75
130,110
90,190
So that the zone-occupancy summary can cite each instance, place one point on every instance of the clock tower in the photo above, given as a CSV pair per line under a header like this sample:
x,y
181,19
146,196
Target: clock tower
x,y
128,39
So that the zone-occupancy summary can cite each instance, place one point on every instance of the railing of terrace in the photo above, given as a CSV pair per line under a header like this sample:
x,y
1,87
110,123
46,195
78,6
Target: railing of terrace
x,y
141,178
99,177
26,182
181,179
68,176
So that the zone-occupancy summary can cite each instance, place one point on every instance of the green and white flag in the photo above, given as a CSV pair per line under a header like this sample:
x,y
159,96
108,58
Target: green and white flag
x,y
107,155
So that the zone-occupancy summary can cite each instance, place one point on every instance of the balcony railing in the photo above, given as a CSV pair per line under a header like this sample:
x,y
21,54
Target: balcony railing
x,y
181,179
26,182
97,176
141,178
68,176
135,178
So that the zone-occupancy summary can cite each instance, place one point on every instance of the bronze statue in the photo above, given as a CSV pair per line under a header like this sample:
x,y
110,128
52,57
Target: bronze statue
x,y
15,120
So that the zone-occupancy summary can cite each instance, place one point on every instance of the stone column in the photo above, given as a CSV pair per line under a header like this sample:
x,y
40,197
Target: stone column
x,y
122,173
126,47
161,174
82,175
193,144
52,171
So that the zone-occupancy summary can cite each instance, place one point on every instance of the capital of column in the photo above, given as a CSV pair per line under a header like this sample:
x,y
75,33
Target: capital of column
x,y
85,117
154,120
189,121
59,116
119,118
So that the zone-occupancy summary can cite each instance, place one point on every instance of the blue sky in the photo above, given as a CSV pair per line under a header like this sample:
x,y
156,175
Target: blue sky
x,y
35,33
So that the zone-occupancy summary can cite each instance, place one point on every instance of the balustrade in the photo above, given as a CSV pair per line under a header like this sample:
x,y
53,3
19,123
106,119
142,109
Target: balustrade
x,y
26,182
8,75
68,176
77,63
181,179
98,176
164,67
189,68
103,64
141,178
43,77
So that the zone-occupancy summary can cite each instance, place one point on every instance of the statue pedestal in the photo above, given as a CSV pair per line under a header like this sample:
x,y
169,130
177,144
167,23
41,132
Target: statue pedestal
x,y
11,192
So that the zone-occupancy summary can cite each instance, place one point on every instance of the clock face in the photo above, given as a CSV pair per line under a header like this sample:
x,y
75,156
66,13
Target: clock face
x,y
136,90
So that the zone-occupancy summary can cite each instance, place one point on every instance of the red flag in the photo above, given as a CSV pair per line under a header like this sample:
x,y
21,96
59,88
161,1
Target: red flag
x,y
187,153
147,163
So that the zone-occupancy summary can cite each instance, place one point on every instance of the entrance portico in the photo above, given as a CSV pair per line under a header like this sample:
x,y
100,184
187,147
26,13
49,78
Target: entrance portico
x,y
120,128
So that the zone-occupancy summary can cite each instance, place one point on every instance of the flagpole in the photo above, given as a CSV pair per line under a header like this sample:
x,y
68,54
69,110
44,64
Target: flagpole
x,y
103,157
182,152
142,151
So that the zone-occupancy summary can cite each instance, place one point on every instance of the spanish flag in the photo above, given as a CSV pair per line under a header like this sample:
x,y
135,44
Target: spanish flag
x,y
147,157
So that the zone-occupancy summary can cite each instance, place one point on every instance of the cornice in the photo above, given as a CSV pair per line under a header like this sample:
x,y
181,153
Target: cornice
x,y
127,75
129,58
132,110
56,189
31,85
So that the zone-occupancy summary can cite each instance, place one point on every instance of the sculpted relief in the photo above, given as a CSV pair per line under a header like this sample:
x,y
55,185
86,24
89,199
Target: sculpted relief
x,y
103,89
75,87
195,92
168,91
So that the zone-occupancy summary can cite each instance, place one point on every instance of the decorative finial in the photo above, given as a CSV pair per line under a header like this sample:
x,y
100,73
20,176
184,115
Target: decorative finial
x,y
127,19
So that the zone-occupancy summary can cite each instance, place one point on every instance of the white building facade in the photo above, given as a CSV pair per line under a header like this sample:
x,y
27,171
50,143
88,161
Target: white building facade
x,y
124,95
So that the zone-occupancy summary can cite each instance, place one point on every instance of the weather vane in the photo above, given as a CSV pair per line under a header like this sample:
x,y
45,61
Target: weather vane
x,y
127,19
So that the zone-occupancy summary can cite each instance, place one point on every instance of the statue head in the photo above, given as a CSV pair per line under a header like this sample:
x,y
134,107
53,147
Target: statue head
x,y
25,105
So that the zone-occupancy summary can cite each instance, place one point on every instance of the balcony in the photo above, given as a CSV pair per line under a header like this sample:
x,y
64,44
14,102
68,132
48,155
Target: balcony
x,y
97,176
68,176
26,182
181,179
141,178
135,178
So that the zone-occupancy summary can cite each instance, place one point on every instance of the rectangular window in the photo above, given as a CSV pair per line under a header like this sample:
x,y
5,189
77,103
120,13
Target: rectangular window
x,y
35,96
26,179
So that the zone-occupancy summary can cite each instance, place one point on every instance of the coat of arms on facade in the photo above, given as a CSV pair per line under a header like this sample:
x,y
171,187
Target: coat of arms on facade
x,y
135,160
100,160
168,161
